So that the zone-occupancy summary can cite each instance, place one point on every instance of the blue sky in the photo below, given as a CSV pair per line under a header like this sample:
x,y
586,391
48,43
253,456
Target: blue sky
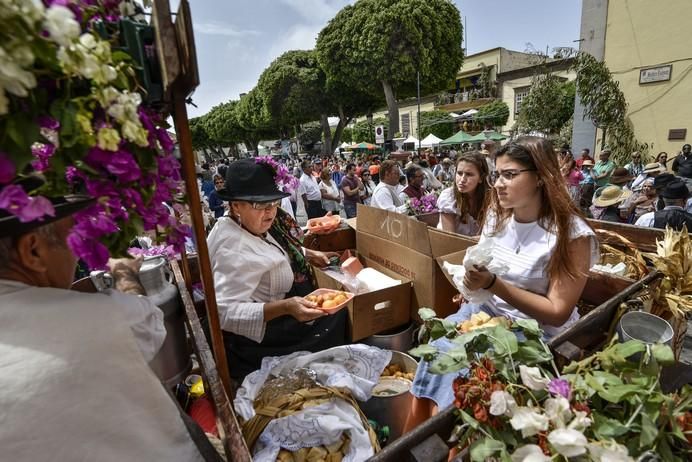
x,y
237,39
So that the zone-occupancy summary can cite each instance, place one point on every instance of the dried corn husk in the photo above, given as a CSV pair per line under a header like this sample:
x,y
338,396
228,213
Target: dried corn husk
x,y
625,252
673,297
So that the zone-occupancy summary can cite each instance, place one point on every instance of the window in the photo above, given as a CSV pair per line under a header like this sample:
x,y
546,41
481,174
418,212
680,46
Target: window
x,y
406,124
519,95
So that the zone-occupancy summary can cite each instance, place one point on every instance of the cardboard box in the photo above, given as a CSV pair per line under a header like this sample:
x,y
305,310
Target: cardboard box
x,y
376,311
409,247
341,238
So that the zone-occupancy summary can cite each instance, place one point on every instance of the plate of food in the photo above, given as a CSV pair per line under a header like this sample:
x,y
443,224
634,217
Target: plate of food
x,y
329,300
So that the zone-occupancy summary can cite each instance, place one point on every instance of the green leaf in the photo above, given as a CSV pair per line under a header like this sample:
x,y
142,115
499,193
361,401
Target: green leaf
x,y
423,350
618,393
529,325
663,354
451,361
467,418
426,313
532,352
484,448
606,427
504,341
649,431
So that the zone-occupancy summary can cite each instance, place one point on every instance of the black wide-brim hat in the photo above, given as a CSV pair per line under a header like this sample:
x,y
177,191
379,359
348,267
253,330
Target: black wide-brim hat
x,y
247,180
11,226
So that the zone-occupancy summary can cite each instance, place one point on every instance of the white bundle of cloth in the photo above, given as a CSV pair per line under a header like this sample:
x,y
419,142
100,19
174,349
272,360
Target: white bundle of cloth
x,y
479,255
356,368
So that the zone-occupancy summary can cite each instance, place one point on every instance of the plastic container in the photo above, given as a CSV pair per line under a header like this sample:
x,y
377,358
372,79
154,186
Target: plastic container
x,y
323,225
318,292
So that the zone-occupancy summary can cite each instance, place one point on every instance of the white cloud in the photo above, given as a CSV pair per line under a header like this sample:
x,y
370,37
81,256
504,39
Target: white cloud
x,y
316,11
300,37
211,28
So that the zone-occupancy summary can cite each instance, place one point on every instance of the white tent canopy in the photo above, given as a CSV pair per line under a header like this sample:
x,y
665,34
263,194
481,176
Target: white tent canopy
x,y
468,113
430,141
412,139
345,145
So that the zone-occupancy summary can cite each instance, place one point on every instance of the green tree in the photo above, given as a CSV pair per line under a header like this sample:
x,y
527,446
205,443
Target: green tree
x,y
253,120
310,133
494,114
439,123
364,131
380,45
605,104
548,106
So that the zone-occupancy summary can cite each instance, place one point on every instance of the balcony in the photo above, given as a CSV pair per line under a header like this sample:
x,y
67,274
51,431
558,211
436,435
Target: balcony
x,y
464,105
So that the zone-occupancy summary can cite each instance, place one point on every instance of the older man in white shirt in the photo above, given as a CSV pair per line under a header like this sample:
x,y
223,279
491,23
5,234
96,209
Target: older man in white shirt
x,y
386,194
312,197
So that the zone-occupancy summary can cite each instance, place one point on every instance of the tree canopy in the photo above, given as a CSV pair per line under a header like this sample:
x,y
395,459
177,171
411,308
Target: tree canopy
x,y
382,44
493,114
548,106
439,123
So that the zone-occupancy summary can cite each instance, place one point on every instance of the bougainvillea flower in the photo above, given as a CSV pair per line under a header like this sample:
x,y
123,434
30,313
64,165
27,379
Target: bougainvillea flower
x,y
7,169
560,387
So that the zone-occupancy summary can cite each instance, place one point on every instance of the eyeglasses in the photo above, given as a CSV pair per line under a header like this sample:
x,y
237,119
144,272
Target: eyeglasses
x,y
507,175
265,205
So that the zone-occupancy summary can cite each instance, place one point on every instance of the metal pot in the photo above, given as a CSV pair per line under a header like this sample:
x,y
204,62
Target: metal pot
x,y
173,361
398,339
393,409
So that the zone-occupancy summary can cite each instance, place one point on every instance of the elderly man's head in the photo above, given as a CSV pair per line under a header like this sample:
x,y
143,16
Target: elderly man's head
x,y
39,257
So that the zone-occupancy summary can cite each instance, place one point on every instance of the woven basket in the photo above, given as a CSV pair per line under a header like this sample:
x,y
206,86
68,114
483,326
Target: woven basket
x,y
292,403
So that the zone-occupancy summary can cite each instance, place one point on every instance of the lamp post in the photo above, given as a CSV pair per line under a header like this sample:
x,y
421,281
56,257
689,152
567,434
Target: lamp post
x,y
418,123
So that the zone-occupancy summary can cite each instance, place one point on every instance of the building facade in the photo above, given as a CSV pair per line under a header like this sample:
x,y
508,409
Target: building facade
x,y
646,48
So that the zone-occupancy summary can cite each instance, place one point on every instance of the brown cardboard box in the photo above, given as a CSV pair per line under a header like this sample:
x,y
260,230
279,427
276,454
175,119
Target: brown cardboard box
x,y
341,238
410,248
377,311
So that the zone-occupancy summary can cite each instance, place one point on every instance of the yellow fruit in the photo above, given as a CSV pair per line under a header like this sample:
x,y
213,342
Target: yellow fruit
x,y
328,304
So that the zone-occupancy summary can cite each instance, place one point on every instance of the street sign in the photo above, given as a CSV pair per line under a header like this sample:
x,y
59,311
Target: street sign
x,y
379,134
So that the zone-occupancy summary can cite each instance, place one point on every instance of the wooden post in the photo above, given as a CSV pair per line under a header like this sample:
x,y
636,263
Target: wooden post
x,y
187,157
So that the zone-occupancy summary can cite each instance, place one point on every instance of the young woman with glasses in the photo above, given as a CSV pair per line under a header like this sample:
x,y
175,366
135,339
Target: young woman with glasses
x,y
464,205
541,236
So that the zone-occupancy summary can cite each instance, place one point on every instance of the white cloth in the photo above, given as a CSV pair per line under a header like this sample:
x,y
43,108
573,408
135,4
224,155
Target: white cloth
x,y
355,368
145,320
309,186
333,190
446,203
386,197
528,268
248,272
76,387
287,207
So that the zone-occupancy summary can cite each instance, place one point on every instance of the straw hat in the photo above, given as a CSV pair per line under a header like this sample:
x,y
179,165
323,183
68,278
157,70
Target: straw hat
x,y
653,167
620,176
587,163
611,195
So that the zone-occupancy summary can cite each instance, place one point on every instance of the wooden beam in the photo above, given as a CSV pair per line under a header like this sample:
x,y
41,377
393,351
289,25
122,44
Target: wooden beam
x,y
232,436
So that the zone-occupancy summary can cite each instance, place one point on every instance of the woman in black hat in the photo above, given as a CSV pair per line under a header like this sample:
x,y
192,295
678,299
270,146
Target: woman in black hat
x,y
262,272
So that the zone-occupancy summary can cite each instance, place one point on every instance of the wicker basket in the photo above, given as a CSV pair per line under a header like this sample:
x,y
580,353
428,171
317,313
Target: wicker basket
x,y
291,403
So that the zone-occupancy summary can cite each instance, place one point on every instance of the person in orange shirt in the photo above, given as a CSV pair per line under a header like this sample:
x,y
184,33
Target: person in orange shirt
x,y
374,169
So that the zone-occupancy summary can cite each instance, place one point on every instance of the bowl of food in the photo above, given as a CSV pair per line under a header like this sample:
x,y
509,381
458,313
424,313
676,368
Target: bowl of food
x,y
329,300
324,225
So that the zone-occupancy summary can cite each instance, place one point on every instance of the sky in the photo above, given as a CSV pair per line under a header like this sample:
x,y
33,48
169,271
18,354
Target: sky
x,y
237,39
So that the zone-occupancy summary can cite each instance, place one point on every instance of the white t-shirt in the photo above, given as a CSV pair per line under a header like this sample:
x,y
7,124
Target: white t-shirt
x,y
446,203
331,189
526,249
386,197
310,187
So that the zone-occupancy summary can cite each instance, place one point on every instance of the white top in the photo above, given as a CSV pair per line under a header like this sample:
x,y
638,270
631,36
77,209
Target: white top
x,y
310,187
333,190
387,197
71,372
286,205
248,272
647,220
370,185
446,203
528,269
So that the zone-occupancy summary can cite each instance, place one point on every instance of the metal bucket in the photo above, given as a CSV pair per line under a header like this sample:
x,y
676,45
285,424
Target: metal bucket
x,y
645,327
397,339
393,409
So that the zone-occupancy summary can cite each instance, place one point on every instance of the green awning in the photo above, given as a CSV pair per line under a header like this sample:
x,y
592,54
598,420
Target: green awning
x,y
458,138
